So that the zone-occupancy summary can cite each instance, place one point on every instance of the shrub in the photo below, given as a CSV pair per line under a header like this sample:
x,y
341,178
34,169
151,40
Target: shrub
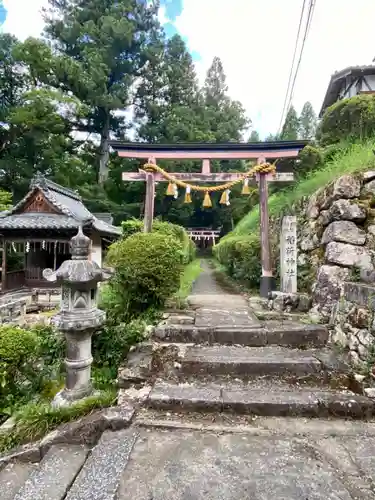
x,y
175,231
148,269
349,119
240,255
130,227
111,345
18,357
310,159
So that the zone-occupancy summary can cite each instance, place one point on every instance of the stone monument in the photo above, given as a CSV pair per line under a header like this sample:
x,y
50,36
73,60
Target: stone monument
x,y
288,255
79,316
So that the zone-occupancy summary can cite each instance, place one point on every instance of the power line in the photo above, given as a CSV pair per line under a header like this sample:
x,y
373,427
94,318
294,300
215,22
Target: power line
x,y
292,66
307,30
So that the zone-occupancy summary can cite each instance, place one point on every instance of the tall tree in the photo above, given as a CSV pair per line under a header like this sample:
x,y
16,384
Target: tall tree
x,y
168,106
308,122
98,50
215,86
290,128
225,118
254,136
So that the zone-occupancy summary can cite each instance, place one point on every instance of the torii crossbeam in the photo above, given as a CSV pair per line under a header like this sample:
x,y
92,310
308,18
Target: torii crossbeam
x,y
261,152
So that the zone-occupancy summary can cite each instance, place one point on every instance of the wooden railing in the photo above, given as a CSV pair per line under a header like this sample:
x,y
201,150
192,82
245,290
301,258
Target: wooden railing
x,y
34,274
15,280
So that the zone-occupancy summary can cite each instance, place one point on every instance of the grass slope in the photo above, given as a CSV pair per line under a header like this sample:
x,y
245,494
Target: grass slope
x,y
358,157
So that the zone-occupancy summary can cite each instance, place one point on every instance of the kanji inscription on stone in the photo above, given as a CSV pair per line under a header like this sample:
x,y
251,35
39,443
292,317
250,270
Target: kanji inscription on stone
x,y
288,255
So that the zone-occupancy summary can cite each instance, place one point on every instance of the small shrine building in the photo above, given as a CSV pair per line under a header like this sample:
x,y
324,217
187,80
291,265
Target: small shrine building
x,y
35,234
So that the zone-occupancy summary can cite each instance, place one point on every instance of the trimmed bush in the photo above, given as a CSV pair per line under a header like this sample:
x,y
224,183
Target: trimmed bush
x,y
148,269
177,232
240,255
349,119
130,227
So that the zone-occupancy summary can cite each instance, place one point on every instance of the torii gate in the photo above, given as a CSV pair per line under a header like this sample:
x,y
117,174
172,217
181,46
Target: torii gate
x,y
260,152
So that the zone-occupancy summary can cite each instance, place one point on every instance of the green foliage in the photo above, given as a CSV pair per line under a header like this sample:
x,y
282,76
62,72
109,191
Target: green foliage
x,y
240,255
348,120
254,136
5,200
18,358
291,126
307,122
310,159
35,420
112,343
148,268
133,226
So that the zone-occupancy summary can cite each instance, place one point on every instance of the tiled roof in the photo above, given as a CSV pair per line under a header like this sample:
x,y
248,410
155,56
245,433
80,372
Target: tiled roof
x,y
337,79
68,202
37,221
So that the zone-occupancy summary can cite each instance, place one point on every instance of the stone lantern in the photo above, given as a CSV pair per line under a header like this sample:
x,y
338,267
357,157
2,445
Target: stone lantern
x,y
79,316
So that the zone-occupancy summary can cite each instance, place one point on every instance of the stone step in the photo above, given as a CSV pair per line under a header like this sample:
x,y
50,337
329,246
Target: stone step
x,y
100,476
292,335
12,478
54,475
260,399
249,362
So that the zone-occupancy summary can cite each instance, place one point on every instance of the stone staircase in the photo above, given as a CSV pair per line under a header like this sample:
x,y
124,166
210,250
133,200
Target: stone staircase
x,y
215,391
266,369
70,471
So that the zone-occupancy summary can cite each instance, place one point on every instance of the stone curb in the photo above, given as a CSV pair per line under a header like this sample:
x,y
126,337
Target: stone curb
x,y
86,430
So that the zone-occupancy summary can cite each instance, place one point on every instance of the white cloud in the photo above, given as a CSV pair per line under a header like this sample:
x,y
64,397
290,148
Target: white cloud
x,y
24,17
255,40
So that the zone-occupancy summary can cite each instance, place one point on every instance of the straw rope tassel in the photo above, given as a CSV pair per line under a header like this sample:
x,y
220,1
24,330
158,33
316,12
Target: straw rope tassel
x,y
228,202
187,195
170,189
224,198
245,187
207,203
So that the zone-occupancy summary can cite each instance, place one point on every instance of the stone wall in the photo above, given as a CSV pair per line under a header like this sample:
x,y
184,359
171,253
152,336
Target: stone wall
x,y
353,321
336,258
336,238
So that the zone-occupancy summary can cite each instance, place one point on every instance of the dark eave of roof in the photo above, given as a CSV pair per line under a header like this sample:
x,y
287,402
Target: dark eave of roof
x,y
335,83
210,147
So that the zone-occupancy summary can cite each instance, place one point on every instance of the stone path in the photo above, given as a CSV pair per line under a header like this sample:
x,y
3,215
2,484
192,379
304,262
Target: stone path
x,y
270,459
215,306
221,402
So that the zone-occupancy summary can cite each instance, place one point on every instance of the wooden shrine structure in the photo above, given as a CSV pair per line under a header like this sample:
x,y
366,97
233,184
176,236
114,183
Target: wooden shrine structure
x,y
259,152
206,236
35,234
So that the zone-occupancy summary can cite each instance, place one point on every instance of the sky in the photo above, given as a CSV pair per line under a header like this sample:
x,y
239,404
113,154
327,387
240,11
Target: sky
x,y
255,41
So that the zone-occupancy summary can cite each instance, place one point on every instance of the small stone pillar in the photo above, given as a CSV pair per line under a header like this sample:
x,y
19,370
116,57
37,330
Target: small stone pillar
x,y
79,316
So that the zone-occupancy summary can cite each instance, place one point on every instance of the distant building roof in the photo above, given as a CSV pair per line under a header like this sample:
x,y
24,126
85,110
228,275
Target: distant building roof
x,y
338,78
68,212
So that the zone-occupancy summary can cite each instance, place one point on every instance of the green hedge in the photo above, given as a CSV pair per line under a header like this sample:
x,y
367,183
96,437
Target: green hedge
x,y
240,255
349,119
148,269
134,226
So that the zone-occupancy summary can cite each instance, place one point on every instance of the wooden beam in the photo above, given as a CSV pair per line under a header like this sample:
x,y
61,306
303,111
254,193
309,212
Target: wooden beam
x,y
140,176
209,155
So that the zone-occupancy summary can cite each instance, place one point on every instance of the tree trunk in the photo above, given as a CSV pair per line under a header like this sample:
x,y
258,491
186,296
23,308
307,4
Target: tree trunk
x,y
104,151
